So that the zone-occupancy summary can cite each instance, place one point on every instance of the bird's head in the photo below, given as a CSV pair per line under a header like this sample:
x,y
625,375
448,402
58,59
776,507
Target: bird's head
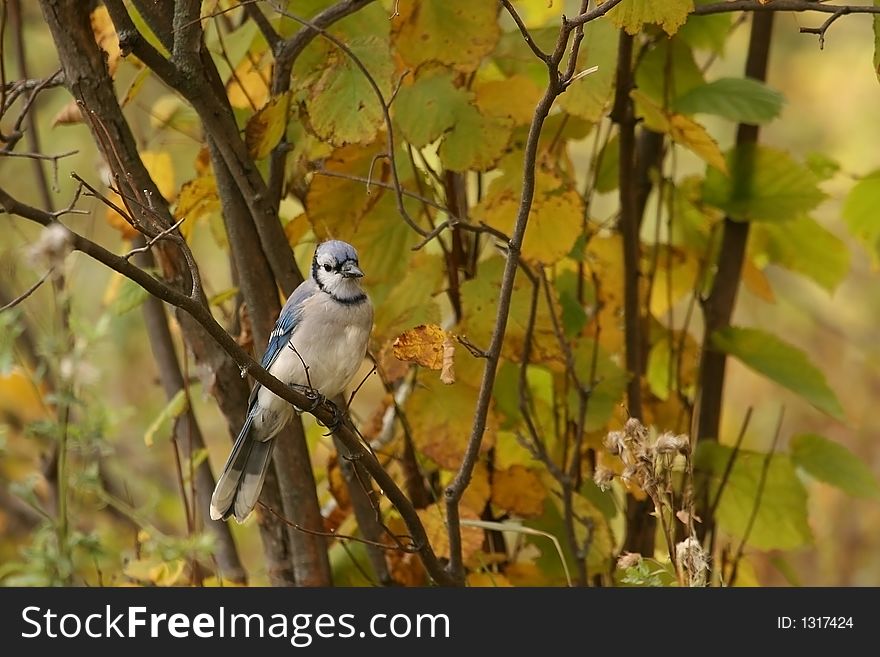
x,y
335,269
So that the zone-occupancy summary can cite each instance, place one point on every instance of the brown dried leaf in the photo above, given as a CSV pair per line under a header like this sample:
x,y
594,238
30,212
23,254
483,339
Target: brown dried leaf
x,y
116,220
424,345
266,128
70,114
478,491
519,490
433,518
447,372
488,580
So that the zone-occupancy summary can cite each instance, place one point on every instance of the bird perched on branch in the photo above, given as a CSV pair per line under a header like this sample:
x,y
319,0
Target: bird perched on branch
x,y
317,346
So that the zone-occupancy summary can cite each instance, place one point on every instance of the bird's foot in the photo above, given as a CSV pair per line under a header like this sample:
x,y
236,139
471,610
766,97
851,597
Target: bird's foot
x,y
314,396
339,417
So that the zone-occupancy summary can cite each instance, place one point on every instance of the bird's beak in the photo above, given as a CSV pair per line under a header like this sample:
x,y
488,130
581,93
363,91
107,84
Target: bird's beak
x,y
351,270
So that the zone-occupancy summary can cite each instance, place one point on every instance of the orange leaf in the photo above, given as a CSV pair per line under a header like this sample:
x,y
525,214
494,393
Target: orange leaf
x,y
423,345
519,490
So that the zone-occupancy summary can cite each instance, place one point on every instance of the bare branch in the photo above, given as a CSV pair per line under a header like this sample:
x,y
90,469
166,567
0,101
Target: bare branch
x,y
24,295
326,412
540,54
456,488
781,5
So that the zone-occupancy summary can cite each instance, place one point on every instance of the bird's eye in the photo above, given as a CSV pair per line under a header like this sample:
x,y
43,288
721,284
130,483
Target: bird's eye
x,y
328,268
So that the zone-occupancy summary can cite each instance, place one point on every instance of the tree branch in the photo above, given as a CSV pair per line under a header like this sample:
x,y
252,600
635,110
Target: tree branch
x,y
719,304
189,435
325,412
286,53
557,84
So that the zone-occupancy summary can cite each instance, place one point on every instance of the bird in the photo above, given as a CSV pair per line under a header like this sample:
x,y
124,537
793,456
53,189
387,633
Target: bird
x,y
317,345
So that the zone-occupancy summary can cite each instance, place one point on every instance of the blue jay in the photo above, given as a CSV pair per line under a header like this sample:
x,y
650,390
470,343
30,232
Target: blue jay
x,y
318,343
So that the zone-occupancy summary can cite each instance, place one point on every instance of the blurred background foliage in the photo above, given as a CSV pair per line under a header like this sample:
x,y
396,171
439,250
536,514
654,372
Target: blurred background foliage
x,y
461,114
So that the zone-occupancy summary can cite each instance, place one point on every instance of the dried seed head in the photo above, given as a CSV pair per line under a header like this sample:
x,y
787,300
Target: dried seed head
x,y
55,243
635,430
615,443
692,561
669,443
603,477
629,472
629,560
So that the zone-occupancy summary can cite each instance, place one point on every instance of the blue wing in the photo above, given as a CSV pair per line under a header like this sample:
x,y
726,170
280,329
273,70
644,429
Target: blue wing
x,y
287,322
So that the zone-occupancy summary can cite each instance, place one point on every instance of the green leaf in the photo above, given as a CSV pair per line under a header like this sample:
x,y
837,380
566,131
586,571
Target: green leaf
x,y
342,105
860,211
834,464
738,99
668,70
803,246
574,317
707,31
609,166
780,362
633,14
175,408
266,128
475,141
590,96
130,296
764,185
458,33
427,108
610,384
781,518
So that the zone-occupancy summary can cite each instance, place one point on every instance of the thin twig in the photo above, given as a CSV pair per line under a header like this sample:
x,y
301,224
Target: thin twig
x,y
24,295
385,105
759,493
325,412
341,537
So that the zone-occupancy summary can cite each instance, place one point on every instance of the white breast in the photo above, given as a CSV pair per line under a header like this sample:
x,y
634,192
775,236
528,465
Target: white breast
x,y
325,351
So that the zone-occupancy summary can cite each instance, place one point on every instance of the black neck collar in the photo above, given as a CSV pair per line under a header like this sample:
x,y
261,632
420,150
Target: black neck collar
x,y
346,301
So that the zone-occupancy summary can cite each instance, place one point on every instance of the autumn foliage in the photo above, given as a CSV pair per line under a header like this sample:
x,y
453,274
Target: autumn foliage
x,y
579,441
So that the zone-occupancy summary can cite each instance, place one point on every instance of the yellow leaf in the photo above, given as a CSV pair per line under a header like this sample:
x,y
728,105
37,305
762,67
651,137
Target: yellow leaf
x,y
487,580
676,275
422,345
514,98
458,33
757,283
296,228
170,111
136,85
434,520
518,490
70,114
116,220
537,13
248,87
19,398
266,128
444,415
554,219
681,129
161,170
105,36
478,491
668,14
692,135
197,199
